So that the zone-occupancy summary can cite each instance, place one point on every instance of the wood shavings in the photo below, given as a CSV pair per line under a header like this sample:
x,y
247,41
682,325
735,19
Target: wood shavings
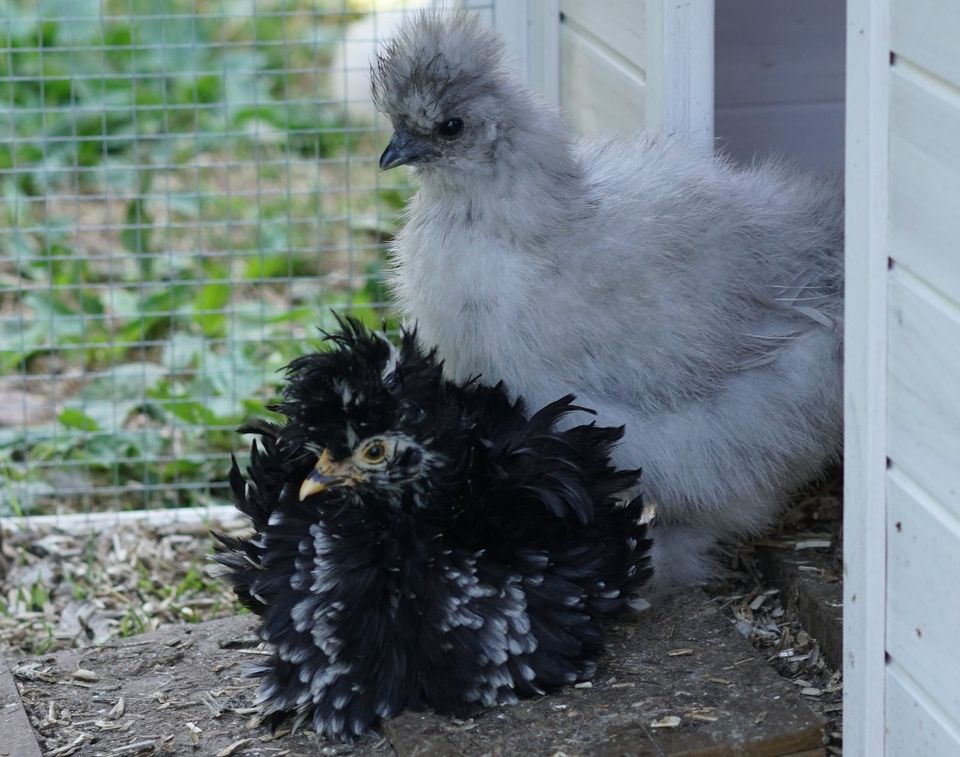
x,y
143,577
227,751
668,721
685,652
117,710
638,604
68,749
813,544
207,699
194,730
583,685
704,714
757,603
112,725
81,674
34,672
805,546
137,747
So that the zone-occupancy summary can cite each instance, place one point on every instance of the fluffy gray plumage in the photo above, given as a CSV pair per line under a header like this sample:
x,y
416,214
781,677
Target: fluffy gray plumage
x,y
697,302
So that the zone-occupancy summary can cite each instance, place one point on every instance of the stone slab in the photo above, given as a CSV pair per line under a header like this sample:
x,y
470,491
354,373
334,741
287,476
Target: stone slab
x,y
16,735
679,681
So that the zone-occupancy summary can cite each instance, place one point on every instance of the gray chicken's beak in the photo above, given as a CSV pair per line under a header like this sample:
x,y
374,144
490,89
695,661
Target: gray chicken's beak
x,y
403,148
326,474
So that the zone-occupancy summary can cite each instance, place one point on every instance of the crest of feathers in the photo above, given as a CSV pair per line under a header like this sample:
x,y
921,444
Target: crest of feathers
x,y
448,56
465,575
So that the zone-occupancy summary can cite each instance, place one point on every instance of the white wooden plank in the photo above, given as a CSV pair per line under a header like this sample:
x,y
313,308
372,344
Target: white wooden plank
x,y
774,51
923,594
809,133
620,25
928,33
544,64
680,38
865,377
925,178
915,726
923,391
598,93
511,18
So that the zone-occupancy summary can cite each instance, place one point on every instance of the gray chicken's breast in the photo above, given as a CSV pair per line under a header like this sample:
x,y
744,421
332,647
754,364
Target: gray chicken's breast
x,y
697,302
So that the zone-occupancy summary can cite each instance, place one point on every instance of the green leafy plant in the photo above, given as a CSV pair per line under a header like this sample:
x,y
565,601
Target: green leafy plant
x,y
179,216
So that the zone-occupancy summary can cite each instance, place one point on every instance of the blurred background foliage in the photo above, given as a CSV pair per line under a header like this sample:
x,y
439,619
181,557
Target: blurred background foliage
x,y
186,196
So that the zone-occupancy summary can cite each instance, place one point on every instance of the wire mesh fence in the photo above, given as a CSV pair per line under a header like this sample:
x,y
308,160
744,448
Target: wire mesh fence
x,y
189,187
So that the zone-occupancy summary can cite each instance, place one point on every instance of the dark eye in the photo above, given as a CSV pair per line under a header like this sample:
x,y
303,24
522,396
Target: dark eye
x,y
374,452
450,128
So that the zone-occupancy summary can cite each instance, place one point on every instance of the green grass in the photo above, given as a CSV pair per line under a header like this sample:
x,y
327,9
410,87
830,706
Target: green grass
x,y
175,224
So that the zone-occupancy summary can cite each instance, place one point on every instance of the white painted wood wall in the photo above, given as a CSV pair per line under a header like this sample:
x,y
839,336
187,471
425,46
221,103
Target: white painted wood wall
x,y
618,66
902,508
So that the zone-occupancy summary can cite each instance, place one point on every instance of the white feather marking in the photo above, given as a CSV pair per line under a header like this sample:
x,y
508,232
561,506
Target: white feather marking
x,y
390,367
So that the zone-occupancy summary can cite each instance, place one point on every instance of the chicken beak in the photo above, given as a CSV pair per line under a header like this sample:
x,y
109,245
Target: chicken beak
x,y
403,148
326,474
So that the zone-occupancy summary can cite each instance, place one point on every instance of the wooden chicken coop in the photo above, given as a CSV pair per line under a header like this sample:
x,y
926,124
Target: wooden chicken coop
x,y
871,87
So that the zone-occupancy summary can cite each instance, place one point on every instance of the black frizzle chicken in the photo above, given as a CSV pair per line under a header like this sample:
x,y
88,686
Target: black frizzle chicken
x,y
420,543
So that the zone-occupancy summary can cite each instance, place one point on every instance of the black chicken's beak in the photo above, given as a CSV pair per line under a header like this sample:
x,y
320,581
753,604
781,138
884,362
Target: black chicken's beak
x,y
315,483
327,474
404,148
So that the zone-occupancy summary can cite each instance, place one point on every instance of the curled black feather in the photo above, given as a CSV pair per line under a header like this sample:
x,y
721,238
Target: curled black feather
x,y
475,577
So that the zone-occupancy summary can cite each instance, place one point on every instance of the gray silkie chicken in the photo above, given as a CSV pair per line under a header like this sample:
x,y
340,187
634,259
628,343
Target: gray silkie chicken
x,y
696,302
419,543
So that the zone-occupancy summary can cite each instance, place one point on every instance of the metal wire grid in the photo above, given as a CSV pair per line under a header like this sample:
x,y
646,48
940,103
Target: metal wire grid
x,y
189,187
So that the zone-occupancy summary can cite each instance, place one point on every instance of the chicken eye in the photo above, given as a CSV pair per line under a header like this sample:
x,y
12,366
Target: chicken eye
x,y
450,129
374,452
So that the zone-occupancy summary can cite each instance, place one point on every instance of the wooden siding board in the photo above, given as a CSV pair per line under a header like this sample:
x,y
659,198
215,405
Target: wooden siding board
x,y
923,375
620,25
928,33
598,93
914,724
923,596
925,179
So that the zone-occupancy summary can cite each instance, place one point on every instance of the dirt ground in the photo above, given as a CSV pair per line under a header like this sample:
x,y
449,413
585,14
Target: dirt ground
x,y
179,689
